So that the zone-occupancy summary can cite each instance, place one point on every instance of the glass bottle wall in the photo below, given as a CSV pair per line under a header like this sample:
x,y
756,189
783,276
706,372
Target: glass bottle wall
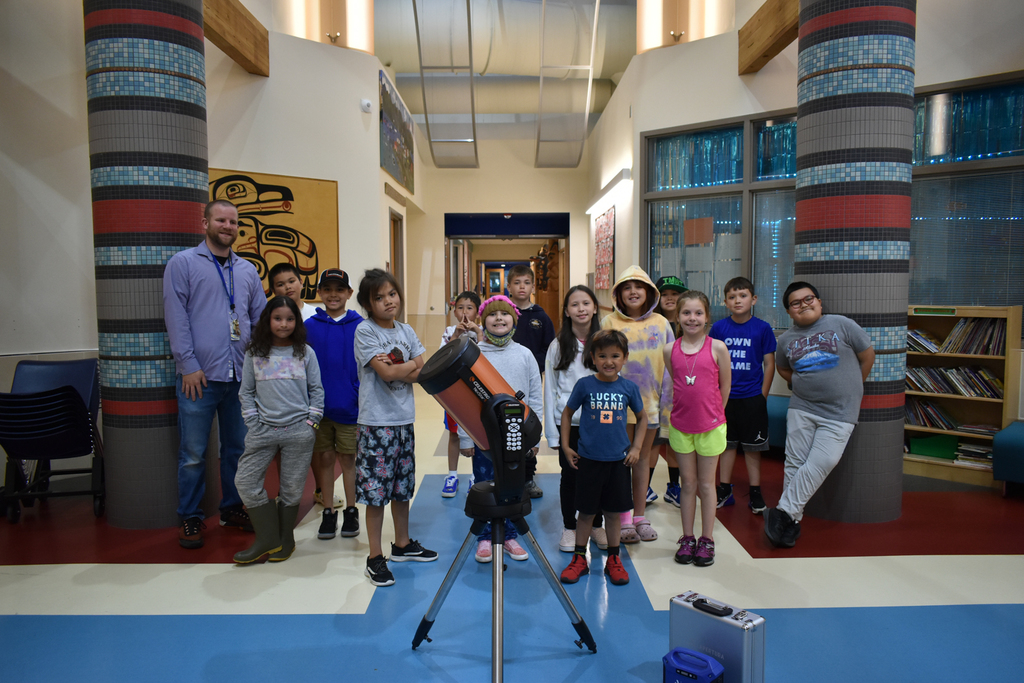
x,y
962,224
700,159
776,149
968,125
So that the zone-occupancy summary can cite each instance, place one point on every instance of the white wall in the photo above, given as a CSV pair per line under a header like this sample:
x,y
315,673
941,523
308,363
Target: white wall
x,y
46,263
304,120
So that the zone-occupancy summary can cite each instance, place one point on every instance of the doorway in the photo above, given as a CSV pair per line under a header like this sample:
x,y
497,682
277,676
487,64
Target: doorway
x,y
396,264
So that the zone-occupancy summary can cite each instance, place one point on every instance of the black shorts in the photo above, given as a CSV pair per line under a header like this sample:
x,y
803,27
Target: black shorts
x,y
603,486
747,423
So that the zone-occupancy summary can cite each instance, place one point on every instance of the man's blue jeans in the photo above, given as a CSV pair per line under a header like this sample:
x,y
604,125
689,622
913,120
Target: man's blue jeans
x,y
195,419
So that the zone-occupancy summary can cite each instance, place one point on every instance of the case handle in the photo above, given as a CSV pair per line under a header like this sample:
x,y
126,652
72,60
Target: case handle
x,y
705,605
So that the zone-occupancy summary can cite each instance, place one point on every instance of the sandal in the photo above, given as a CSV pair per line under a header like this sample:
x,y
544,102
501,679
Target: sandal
x,y
628,534
644,530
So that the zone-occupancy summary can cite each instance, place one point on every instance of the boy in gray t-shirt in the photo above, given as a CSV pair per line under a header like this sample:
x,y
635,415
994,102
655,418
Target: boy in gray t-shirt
x,y
826,359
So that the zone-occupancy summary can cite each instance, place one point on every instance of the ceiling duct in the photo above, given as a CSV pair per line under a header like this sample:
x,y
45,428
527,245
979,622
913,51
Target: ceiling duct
x,y
444,37
562,113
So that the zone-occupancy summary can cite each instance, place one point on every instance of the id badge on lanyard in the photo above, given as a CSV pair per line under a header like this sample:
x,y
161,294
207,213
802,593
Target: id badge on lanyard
x,y
234,326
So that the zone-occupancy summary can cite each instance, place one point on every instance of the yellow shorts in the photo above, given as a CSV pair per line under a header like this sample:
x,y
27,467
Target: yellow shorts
x,y
709,443
335,437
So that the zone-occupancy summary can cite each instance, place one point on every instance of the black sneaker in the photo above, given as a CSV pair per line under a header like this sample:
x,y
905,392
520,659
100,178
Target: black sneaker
x,y
776,522
532,490
329,525
190,535
756,504
413,552
350,522
377,571
790,534
236,518
724,494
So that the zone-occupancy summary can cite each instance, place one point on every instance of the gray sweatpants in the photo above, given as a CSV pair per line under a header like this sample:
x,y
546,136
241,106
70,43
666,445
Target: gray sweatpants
x,y
261,444
814,446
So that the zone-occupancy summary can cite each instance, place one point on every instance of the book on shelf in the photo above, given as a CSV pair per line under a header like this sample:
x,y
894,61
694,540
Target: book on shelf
x,y
921,413
974,465
962,381
922,341
985,430
977,336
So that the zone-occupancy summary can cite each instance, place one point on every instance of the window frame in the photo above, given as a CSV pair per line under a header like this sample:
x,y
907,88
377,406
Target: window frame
x,y
747,187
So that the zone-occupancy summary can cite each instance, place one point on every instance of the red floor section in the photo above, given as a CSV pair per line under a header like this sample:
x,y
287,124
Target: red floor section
x,y
932,523
65,531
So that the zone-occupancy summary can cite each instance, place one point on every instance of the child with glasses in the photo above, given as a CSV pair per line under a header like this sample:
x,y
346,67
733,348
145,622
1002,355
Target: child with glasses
x,y
826,359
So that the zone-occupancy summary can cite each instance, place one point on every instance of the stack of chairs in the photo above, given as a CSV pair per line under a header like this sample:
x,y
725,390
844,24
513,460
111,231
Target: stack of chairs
x,y
49,415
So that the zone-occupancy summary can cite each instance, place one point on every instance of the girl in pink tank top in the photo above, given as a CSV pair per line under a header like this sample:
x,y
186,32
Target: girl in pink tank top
x,y
701,373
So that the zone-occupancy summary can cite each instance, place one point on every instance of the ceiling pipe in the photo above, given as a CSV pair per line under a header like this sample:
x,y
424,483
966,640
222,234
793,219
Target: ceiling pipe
x,y
504,94
506,37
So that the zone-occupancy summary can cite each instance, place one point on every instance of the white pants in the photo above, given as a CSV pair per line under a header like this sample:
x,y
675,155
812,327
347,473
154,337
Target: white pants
x,y
814,446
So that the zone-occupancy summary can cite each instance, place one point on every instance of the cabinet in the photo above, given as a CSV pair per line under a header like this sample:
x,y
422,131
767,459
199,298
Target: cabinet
x,y
945,401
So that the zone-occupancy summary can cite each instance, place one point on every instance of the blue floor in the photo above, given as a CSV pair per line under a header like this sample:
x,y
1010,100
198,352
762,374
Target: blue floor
x,y
934,644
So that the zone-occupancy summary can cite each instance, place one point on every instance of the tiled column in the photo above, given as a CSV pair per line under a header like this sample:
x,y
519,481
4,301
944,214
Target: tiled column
x,y
855,131
145,76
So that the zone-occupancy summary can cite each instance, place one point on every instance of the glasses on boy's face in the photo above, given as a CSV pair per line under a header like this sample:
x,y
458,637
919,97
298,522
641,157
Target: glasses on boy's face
x,y
806,301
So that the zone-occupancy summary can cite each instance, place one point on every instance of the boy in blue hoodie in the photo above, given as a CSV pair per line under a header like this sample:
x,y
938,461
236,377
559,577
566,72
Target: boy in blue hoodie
x,y
331,333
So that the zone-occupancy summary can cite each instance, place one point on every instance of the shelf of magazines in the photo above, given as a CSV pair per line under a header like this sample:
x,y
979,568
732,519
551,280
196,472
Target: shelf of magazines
x,y
962,386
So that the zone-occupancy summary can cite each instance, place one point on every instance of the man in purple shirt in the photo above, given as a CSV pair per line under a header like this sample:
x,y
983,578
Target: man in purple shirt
x,y
212,301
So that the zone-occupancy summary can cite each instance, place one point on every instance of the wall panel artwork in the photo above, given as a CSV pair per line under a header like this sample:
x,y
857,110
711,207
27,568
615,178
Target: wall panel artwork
x,y
282,219
604,240
396,140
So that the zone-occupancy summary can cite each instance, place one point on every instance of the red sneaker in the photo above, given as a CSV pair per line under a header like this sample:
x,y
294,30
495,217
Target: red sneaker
x,y
577,568
617,574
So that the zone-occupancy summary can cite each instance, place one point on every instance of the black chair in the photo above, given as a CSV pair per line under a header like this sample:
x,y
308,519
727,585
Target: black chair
x,y
44,418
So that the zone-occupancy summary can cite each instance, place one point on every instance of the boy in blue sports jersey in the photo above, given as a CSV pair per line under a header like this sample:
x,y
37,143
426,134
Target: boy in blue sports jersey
x,y
605,452
751,344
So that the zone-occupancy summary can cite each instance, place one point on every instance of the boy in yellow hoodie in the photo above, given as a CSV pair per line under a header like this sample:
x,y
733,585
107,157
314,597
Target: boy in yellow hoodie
x,y
635,298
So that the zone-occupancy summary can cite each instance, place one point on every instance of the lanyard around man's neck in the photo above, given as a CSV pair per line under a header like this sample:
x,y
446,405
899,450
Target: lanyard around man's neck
x,y
229,290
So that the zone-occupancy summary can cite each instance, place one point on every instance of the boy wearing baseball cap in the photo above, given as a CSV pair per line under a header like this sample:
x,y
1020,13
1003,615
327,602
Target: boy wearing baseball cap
x,y
331,333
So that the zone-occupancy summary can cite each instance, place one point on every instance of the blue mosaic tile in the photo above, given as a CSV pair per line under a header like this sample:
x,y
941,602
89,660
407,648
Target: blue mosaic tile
x,y
874,49
149,175
134,256
144,54
858,171
850,82
142,84
137,374
889,367
852,251
887,338
134,345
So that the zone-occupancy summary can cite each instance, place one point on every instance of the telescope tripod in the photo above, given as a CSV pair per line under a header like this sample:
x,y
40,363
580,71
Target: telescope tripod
x,y
482,506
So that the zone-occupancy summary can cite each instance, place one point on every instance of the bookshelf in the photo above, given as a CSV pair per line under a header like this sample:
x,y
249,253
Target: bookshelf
x,y
963,384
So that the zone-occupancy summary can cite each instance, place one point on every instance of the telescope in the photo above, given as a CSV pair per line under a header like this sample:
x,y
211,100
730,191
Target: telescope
x,y
504,428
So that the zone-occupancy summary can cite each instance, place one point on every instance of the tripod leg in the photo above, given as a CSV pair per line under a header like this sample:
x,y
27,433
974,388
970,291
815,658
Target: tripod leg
x,y
497,599
446,586
570,609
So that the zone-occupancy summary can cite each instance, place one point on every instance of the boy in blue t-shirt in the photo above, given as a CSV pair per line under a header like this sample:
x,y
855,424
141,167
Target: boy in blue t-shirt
x,y
751,344
605,451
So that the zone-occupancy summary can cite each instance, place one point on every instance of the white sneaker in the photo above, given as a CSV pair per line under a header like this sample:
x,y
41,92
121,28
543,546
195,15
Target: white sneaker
x,y
600,537
567,543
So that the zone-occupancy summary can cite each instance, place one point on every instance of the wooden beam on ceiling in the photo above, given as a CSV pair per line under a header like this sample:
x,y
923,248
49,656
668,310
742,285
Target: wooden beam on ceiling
x,y
772,28
232,28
